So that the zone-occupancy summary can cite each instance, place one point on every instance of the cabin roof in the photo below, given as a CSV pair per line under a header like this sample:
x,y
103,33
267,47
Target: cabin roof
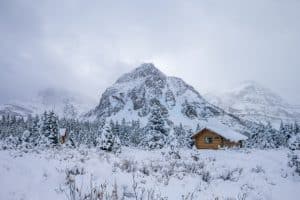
x,y
223,131
62,131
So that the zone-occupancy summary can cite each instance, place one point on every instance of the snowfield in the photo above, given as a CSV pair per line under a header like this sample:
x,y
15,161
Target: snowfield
x,y
134,173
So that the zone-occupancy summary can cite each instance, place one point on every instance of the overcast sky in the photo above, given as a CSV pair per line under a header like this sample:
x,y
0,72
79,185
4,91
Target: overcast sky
x,y
86,45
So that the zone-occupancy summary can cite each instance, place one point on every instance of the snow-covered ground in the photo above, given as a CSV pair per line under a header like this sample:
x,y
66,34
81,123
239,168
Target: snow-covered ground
x,y
190,174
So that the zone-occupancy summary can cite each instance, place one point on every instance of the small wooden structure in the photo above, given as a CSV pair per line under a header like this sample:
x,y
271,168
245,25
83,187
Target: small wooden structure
x,y
217,137
63,134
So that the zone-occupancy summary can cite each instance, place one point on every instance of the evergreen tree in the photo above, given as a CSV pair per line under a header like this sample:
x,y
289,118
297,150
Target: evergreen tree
x,y
256,137
116,129
124,133
35,130
135,136
286,130
266,137
155,131
49,129
296,128
190,110
294,142
26,139
109,141
12,128
53,122
181,139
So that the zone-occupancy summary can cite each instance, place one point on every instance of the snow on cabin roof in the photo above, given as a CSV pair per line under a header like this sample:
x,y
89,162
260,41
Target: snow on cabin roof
x,y
62,131
224,131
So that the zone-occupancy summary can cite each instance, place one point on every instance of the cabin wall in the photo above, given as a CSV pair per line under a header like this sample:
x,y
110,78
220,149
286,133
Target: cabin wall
x,y
217,141
200,140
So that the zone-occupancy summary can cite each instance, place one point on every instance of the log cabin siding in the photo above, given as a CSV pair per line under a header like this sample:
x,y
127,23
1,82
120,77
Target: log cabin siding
x,y
217,140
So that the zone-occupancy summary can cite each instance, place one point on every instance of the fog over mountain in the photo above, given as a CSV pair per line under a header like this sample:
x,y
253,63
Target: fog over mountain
x,y
250,100
85,46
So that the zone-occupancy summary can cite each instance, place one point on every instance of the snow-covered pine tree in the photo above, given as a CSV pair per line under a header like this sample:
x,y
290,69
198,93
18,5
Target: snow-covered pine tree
x,y
296,128
294,140
36,130
31,133
109,141
25,139
29,123
266,137
53,122
12,128
116,144
117,129
170,99
281,127
135,136
287,131
50,129
180,136
270,138
124,132
112,124
156,132
189,110
255,139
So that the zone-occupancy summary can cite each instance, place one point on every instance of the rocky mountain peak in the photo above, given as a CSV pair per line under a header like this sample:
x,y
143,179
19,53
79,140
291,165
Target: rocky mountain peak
x,y
134,94
145,70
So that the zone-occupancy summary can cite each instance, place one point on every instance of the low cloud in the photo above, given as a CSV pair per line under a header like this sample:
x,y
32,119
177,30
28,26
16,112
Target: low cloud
x,y
86,45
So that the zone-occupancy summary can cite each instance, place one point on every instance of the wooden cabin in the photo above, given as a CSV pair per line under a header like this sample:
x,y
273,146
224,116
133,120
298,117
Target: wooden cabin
x,y
63,134
216,137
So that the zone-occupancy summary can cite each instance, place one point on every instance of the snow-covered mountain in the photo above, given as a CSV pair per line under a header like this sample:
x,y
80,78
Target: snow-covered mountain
x,y
15,109
63,102
251,101
133,94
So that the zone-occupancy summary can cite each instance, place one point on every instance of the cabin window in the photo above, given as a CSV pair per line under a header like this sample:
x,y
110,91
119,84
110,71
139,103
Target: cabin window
x,y
217,137
208,140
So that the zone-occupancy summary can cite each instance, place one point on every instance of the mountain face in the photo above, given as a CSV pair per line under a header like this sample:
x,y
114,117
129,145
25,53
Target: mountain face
x,y
15,109
62,102
251,101
133,95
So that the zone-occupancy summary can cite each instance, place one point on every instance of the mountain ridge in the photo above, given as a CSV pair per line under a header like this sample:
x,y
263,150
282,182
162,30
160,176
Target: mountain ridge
x,y
252,101
132,95
63,102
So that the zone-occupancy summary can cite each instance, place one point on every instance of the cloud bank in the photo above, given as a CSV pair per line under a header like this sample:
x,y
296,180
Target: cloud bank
x,y
86,45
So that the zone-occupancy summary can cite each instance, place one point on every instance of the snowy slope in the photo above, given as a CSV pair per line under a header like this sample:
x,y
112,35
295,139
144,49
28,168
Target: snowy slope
x,y
63,102
207,174
15,109
251,101
134,93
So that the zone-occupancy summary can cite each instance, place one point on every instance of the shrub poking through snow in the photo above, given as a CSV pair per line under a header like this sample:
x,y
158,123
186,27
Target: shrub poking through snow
x,y
231,175
104,191
258,169
128,166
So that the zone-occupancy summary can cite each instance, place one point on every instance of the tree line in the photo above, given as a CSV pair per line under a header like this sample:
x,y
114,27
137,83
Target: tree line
x,y
43,131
